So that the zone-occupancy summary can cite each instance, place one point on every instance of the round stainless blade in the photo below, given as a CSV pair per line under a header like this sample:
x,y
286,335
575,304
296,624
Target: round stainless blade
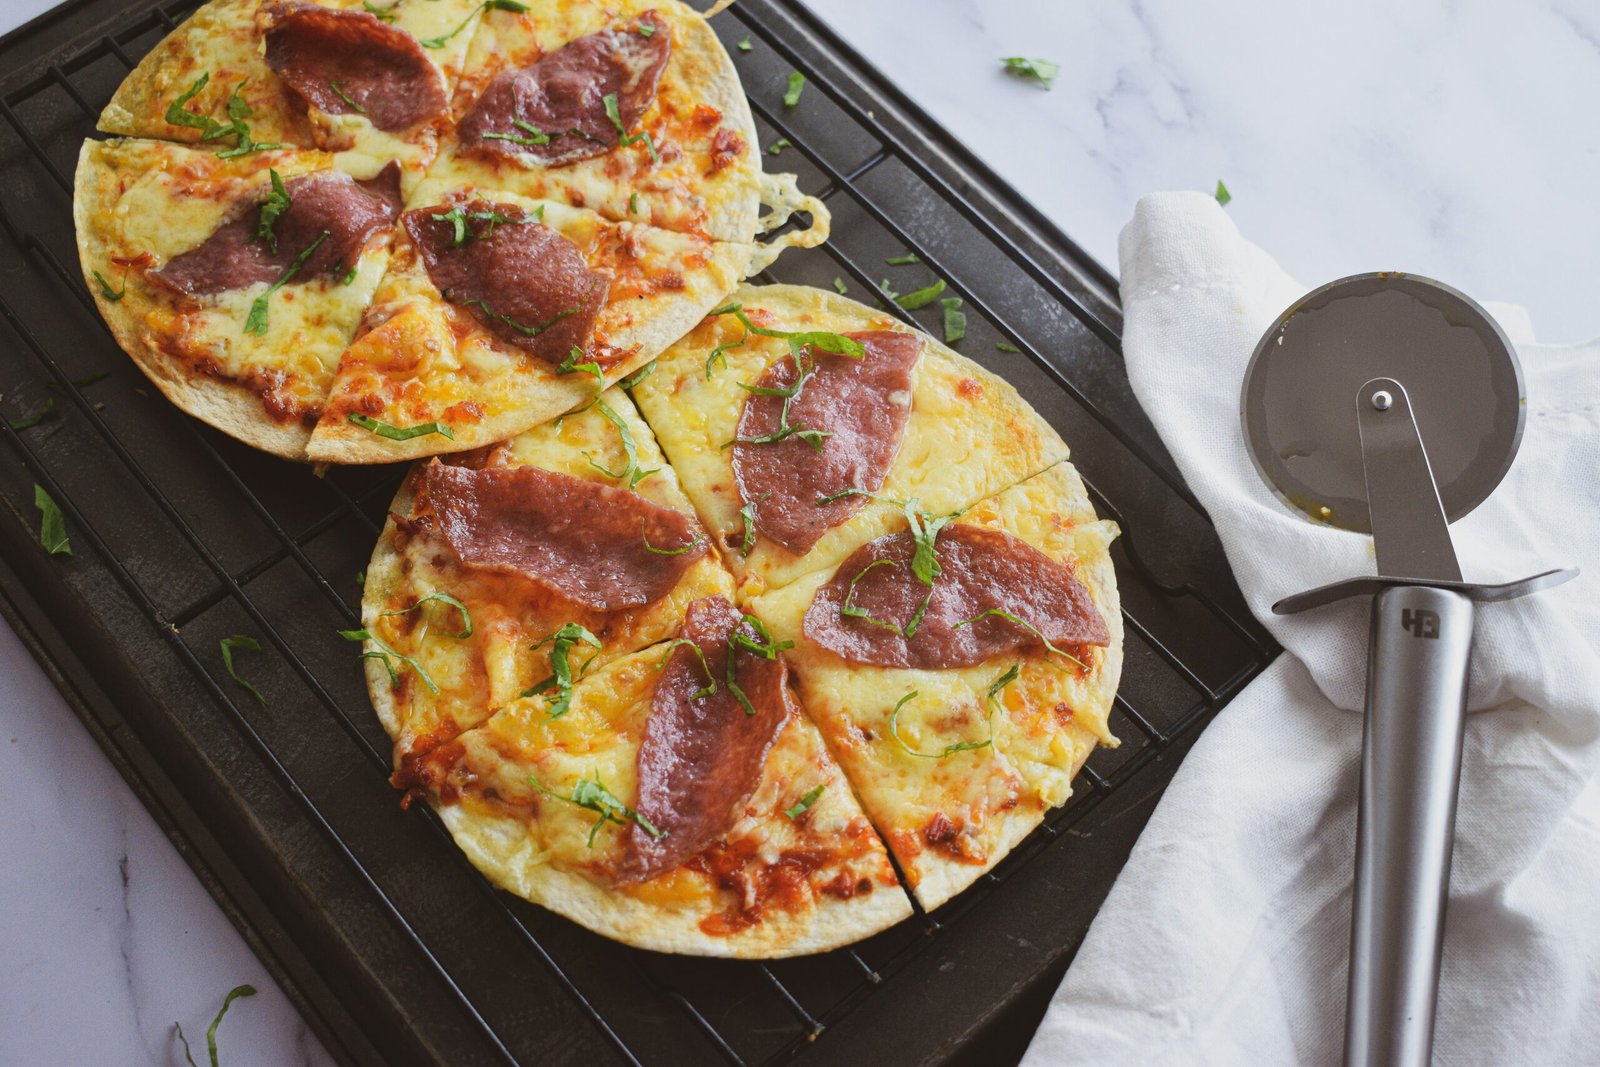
x,y
1458,368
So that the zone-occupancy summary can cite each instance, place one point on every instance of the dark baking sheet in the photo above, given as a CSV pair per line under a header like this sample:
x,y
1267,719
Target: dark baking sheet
x,y
393,946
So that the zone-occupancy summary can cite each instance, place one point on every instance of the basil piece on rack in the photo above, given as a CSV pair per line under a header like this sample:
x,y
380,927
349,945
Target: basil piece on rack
x,y
52,524
248,644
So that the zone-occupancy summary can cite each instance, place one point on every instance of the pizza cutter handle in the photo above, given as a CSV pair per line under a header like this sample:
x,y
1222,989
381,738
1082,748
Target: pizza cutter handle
x,y
1410,771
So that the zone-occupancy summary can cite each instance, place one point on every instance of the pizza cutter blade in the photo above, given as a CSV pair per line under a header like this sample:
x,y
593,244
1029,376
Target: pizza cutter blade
x,y
1393,405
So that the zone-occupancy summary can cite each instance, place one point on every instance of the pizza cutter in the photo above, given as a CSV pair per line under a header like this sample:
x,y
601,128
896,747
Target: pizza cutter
x,y
1393,405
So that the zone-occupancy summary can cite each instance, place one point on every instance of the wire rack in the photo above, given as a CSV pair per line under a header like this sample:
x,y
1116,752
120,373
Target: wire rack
x,y
181,536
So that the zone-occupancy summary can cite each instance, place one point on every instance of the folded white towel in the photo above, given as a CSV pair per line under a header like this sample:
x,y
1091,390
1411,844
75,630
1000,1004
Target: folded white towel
x,y
1226,938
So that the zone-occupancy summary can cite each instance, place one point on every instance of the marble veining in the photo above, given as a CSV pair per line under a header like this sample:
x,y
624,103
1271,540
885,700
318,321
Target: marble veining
x,y
1455,138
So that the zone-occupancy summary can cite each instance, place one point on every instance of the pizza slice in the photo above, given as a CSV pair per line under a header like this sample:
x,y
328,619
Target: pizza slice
x,y
792,410
962,679
680,802
234,283
630,109
370,78
499,313
512,572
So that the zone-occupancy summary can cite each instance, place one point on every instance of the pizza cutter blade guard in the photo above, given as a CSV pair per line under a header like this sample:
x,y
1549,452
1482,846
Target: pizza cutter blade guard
x,y
1393,405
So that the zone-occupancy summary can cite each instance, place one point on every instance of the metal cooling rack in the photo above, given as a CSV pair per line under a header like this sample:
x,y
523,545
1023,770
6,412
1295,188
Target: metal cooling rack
x,y
392,945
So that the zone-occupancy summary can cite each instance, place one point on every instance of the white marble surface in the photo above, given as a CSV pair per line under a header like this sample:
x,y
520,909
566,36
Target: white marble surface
x,y
1453,139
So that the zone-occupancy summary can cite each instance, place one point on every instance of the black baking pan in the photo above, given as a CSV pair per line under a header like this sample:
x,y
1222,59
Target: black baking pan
x,y
396,950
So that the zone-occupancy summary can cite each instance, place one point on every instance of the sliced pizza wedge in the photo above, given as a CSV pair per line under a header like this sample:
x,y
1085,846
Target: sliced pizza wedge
x,y
235,284
679,802
792,410
368,79
962,680
512,572
630,109
499,313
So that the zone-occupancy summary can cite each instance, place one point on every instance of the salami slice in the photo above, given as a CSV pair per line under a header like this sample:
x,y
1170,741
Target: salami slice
x,y
237,255
526,283
554,111
702,756
982,570
580,539
350,63
861,404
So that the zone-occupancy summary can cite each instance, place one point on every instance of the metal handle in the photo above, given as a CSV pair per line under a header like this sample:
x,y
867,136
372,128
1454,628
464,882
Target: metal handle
x,y
1410,770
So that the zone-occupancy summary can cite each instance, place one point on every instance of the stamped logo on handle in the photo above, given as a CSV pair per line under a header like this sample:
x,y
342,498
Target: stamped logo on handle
x,y
1421,622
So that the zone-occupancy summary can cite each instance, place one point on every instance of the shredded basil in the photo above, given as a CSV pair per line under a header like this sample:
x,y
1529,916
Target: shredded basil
x,y
690,547
883,287
797,82
443,598
747,515
924,527
637,376
1026,625
644,29
211,1032
1006,346
210,129
52,524
1222,194
761,645
745,45
531,331
623,138
534,138
779,145
273,207
717,353
839,286
948,750
804,803
852,611
361,577
458,217
955,320
561,679
34,418
900,261
109,293
597,798
1041,71
921,298
632,473
385,14
346,97
633,203
488,5
710,687
383,654
248,644
397,433
256,322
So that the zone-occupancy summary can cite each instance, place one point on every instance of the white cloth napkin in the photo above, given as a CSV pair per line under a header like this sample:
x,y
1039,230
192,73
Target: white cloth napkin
x,y
1225,939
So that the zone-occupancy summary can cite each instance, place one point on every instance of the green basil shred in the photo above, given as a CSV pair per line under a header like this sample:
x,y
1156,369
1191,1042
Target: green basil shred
x,y
248,644
948,750
1040,71
632,473
52,524
1026,625
487,5
562,679
34,418
534,135
276,203
1222,194
383,655
597,798
256,322
399,433
804,803
109,293
955,320
690,547
683,642
211,1031
791,96
921,298
624,139
346,97
443,598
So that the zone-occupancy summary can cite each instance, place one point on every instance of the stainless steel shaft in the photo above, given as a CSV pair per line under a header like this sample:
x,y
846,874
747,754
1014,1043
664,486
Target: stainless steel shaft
x,y
1410,771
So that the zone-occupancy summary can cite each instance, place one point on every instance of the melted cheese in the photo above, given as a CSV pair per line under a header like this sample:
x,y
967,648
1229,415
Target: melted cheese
x,y
948,818
969,435
707,178
478,674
